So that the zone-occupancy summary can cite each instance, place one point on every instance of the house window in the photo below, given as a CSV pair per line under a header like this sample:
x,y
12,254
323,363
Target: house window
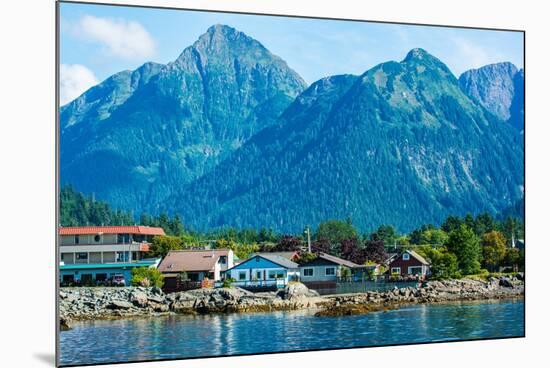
x,y
223,259
242,275
276,274
97,238
330,271
122,238
77,239
396,270
416,270
82,256
100,276
308,272
121,256
406,256
259,275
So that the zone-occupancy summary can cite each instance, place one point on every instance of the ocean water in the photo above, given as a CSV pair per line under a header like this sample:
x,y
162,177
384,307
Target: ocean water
x,y
173,337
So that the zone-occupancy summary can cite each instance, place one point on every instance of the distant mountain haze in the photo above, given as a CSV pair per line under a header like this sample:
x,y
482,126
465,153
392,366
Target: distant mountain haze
x,y
229,135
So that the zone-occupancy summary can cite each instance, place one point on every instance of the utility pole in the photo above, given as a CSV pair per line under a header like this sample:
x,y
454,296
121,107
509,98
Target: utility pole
x,y
308,239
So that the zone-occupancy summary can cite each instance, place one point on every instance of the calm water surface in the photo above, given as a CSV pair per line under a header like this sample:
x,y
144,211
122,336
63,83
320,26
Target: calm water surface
x,y
195,336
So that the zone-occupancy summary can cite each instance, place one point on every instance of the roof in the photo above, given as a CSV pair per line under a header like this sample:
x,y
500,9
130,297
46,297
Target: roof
x,y
390,258
89,230
287,255
88,266
280,260
337,260
415,255
191,260
274,258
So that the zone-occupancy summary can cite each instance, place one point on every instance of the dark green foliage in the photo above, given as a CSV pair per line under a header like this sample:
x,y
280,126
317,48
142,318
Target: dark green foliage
x,y
401,145
79,210
386,233
515,258
335,231
464,243
444,265
451,223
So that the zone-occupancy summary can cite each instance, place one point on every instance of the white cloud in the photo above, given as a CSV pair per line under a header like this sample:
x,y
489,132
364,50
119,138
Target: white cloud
x,y
120,37
74,79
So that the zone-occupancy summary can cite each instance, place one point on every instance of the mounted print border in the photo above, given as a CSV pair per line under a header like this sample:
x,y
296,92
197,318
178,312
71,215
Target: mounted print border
x,y
222,173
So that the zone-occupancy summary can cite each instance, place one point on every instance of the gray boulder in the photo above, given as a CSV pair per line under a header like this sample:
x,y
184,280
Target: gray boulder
x,y
139,298
119,304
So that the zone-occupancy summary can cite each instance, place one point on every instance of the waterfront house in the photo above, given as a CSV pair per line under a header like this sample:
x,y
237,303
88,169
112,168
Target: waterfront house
x,y
102,273
264,271
324,271
409,263
96,254
197,264
105,244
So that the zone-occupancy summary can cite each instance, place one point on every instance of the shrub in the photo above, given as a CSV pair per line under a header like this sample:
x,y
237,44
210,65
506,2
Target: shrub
x,y
227,282
142,276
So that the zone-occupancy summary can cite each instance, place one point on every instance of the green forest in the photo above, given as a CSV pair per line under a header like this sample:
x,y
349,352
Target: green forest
x,y
459,246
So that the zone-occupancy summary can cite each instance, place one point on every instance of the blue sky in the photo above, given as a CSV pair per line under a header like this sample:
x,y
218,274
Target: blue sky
x,y
98,41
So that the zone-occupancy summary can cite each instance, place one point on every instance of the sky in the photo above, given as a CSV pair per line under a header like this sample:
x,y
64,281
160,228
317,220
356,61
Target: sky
x,y
97,41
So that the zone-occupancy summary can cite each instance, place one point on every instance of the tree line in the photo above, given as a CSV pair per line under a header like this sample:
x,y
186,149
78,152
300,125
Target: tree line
x,y
459,246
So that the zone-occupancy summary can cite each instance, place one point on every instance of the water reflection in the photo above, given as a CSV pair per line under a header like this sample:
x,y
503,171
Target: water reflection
x,y
194,336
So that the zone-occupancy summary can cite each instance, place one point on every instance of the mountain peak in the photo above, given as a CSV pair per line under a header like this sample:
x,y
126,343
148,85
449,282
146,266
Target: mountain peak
x,y
417,54
221,29
220,35
420,57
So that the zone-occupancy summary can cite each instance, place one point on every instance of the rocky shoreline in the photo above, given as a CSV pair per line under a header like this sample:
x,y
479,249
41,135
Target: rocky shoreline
x,y
89,303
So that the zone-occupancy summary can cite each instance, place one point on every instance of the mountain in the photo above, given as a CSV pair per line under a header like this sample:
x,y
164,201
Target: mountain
x,y
499,88
139,135
401,144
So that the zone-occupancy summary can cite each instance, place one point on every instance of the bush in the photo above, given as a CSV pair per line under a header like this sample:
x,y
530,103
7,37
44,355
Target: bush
x,y
145,276
227,282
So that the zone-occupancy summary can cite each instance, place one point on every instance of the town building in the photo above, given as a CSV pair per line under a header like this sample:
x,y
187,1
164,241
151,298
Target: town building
x,y
197,264
119,274
325,270
92,255
105,244
264,271
409,263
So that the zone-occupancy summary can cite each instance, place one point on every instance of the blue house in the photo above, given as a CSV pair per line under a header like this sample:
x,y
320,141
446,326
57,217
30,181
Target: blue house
x,y
265,271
